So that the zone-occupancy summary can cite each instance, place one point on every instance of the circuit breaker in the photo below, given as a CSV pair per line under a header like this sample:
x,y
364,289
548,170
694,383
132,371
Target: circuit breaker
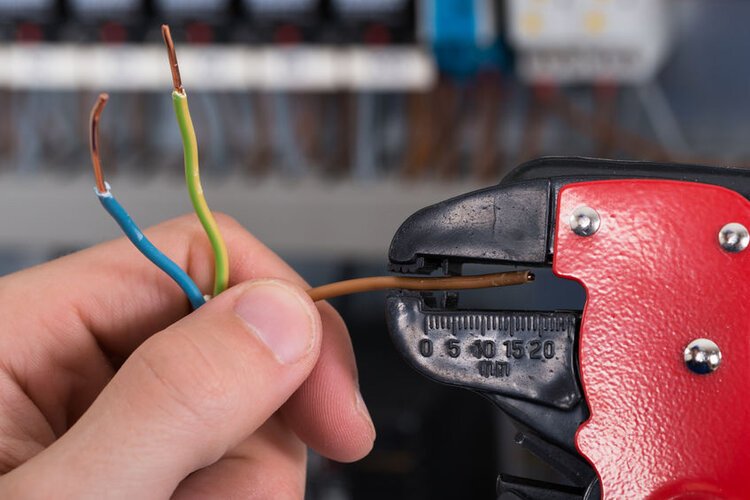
x,y
583,41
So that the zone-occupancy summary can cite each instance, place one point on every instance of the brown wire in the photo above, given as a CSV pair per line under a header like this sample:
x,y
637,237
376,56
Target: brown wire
x,y
359,285
421,133
176,78
536,112
605,113
488,152
261,155
96,113
631,143
446,153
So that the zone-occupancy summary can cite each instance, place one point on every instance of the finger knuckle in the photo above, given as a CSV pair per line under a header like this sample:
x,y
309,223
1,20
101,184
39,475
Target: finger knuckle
x,y
186,381
15,451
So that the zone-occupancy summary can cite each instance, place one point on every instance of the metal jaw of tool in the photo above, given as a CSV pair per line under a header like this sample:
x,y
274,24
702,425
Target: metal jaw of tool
x,y
614,397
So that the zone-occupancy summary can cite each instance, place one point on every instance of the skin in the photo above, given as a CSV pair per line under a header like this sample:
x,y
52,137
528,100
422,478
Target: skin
x,y
111,388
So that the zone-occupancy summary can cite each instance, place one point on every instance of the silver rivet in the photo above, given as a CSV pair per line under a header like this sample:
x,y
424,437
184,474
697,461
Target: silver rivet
x,y
584,221
734,237
702,356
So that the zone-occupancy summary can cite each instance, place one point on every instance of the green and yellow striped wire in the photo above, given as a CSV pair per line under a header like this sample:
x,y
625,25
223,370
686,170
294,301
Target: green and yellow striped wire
x,y
192,172
193,180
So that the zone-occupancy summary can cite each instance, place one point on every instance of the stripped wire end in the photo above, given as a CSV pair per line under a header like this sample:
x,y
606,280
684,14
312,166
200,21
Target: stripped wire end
x,y
96,112
173,66
192,170
126,223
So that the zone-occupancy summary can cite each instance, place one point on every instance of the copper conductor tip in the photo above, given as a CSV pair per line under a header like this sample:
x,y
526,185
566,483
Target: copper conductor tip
x,y
173,66
530,276
96,113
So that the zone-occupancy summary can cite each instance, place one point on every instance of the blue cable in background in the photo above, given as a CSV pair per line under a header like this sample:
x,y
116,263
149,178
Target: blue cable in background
x,y
135,235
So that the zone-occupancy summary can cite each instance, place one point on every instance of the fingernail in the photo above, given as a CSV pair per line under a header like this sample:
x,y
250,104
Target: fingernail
x,y
280,318
363,411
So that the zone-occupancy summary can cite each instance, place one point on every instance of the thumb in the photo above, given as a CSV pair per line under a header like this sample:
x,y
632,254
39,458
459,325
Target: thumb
x,y
183,398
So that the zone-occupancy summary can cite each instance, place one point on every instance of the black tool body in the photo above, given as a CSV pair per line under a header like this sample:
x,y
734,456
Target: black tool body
x,y
523,361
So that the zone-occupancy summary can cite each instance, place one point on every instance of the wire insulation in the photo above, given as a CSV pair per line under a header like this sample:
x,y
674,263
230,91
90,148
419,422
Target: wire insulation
x,y
193,180
126,223
172,54
136,236
359,285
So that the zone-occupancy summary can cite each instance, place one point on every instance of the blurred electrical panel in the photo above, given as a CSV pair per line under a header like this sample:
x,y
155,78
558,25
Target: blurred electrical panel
x,y
567,41
360,90
254,44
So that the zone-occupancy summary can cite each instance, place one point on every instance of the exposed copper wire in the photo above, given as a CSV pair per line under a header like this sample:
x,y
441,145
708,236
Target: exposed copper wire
x,y
358,285
173,66
96,113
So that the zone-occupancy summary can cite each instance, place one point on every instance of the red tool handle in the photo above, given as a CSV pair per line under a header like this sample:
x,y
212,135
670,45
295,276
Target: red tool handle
x,y
657,278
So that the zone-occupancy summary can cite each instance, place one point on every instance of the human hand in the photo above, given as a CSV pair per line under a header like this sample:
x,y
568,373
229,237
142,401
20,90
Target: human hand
x,y
105,392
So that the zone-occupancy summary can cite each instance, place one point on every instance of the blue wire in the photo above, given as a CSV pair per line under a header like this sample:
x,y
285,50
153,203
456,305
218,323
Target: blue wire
x,y
118,213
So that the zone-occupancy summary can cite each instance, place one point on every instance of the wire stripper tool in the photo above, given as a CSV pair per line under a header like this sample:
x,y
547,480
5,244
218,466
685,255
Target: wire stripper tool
x,y
643,394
